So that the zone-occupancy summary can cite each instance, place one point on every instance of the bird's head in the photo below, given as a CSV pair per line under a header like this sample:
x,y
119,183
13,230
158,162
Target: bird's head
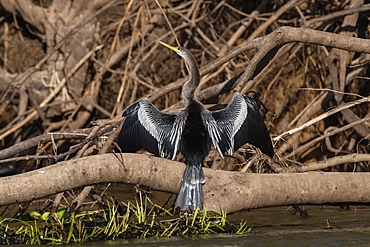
x,y
191,85
179,50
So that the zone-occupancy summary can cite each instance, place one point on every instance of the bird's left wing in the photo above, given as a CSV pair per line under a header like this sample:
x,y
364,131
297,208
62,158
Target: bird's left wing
x,y
239,123
155,131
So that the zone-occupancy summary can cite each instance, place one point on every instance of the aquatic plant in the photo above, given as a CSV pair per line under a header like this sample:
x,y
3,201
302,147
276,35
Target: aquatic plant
x,y
142,219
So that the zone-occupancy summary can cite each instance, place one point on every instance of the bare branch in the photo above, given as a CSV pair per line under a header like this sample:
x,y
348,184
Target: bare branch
x,y
322,116
33,142
322,164
267,43
232,191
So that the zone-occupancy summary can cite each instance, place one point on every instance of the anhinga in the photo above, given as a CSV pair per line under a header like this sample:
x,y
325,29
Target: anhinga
x,y
192,130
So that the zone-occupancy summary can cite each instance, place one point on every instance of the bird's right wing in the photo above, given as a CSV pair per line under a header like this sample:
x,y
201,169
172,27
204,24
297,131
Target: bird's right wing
x,y
155,131
239,123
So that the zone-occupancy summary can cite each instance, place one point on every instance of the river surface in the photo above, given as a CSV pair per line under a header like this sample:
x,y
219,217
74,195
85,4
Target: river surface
x,y
326,225
278,226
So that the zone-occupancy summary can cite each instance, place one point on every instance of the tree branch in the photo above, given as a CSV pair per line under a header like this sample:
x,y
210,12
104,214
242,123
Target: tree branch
x,y
265,44
33,142
231,191
322,164
284,35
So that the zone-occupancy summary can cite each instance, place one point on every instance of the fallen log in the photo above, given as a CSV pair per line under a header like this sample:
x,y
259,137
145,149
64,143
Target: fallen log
x,y
231,191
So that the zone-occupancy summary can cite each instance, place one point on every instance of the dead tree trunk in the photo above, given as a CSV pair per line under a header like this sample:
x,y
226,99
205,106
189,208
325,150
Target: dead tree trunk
x,y
231,191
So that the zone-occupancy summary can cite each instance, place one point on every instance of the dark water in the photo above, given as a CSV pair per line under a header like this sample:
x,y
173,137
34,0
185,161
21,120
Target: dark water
x,y
298,239
279,226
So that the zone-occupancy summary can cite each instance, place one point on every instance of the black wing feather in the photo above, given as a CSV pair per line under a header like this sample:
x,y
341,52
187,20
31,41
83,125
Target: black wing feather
x,y
148,128
130,131
239,123
254,130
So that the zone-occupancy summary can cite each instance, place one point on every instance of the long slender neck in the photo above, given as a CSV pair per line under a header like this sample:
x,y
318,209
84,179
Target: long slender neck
x,y
189,87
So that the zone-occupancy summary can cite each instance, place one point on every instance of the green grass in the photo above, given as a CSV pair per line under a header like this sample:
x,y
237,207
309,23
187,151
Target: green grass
x,y
142,219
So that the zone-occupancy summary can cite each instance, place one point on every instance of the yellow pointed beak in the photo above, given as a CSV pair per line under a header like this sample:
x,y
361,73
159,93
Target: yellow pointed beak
x,y
176,49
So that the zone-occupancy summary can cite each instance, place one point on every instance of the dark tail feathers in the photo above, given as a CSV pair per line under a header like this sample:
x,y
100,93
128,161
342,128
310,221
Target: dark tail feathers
x,y
190,196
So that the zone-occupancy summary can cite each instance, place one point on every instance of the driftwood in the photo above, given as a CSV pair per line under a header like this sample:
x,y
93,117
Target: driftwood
x,y
231,191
